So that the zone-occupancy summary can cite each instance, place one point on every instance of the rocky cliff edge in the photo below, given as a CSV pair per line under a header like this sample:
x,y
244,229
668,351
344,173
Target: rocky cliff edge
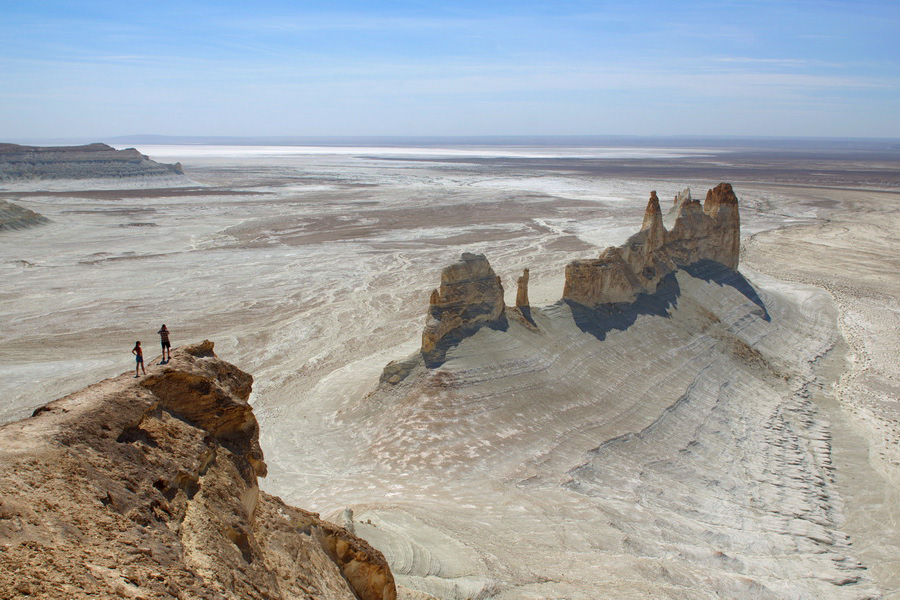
x,y
147,488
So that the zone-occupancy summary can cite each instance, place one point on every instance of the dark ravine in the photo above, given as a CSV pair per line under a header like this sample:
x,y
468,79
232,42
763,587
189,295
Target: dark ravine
x,y
147,488
92,161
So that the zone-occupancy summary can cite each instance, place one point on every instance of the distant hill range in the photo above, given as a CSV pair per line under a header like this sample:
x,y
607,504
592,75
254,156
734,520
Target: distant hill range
x,y
92,161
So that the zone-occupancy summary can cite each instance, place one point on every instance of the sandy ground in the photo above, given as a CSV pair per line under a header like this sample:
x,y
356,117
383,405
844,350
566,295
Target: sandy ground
x,y
853,255
313,271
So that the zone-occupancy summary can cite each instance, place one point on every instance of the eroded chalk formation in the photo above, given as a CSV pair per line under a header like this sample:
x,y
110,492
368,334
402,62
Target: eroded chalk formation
x,y
471,295
147,488
708,232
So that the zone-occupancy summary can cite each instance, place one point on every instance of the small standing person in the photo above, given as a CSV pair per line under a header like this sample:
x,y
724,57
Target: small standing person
x,y
164,341
139,358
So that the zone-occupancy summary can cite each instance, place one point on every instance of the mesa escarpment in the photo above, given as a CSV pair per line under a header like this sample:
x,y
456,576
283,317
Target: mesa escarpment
x,y
148,489
471,295
91,161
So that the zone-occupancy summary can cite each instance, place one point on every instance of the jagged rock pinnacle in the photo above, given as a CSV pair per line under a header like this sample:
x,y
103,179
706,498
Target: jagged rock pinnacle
x,y
708,232
470,295
522,290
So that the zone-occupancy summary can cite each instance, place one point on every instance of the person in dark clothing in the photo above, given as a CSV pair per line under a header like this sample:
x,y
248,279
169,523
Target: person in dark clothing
x,y
139,359
166,346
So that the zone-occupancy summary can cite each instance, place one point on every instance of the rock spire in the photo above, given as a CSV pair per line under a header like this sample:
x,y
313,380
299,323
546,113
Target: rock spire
x,y
522,290
471,296
708,232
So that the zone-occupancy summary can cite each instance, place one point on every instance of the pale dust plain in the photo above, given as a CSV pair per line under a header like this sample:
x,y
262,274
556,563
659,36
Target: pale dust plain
x,y
313,271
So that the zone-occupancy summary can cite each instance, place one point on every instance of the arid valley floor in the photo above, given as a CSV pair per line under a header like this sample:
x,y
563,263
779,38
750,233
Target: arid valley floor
x,y
658,460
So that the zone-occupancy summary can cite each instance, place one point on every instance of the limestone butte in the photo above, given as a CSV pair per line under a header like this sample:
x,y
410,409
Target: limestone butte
x,y
148,489
708,232
91,161
471,296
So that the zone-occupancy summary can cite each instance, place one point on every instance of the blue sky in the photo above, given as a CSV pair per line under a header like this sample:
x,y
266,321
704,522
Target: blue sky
x,y
269,67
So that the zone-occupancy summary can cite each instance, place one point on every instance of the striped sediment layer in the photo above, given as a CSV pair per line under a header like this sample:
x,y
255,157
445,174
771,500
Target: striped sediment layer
x,y
13,216
91,161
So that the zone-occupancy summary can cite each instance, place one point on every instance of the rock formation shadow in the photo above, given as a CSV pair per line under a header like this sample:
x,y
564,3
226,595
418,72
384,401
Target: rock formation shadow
x,y
711,271
526,314
437,357
620,316
604,318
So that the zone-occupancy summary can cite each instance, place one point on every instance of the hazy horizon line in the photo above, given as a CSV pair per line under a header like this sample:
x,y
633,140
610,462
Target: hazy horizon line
x,y
476,140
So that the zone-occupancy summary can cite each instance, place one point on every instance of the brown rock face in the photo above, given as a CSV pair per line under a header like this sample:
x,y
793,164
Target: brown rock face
x,y
148,489
522,290
470,295
708,232
607,277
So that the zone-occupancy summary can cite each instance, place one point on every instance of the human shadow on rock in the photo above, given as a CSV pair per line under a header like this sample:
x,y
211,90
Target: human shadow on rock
x,y
711,271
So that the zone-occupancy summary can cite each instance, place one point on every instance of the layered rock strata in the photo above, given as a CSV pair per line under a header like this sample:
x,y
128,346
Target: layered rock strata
x,y
92,161
13,216
708,232
148,489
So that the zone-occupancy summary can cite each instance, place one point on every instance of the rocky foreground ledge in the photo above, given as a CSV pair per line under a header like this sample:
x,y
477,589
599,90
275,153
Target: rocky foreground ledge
x,y
147,488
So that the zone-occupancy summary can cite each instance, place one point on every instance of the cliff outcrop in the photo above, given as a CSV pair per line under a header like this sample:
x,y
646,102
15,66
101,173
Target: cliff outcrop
x,y
148,489
92,161
13,216
708,232
471,296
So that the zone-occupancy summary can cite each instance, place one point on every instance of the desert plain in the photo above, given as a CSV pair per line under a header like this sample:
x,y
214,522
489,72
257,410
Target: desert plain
x,y
662,459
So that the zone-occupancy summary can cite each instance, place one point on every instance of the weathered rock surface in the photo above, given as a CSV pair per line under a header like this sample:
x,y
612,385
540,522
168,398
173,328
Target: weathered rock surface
x,y
522,290
92,161
13,216
708,232
470,296
148,489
